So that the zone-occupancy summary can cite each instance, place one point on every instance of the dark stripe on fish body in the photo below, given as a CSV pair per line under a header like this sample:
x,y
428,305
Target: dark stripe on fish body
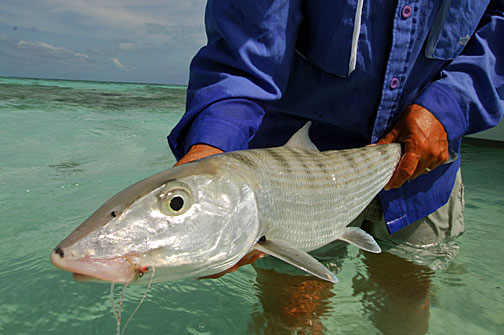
x,y
244,158
317,167
349,157
322,165
383,149
281,160
365,156
301,159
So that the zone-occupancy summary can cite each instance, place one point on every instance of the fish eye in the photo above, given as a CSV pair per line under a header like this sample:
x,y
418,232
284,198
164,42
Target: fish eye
x,y
176,203
175,199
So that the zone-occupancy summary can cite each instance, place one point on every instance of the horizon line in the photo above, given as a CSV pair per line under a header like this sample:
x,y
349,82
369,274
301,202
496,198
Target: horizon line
x,y
92,81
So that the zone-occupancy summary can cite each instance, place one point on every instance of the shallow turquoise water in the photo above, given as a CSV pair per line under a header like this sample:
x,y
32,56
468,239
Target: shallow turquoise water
x,y
66,147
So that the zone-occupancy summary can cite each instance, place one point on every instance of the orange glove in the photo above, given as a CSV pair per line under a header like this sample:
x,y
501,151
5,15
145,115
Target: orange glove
x,y
425,144
198,151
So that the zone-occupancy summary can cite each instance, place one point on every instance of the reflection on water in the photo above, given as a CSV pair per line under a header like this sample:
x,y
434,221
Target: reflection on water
x,y
394,293
290,304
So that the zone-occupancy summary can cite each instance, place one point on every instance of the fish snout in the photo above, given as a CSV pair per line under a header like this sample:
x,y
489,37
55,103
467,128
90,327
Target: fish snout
x,y
57,256
117,270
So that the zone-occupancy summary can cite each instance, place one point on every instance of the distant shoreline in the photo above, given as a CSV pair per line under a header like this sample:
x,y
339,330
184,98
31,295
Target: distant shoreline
x,y
93,81
493,137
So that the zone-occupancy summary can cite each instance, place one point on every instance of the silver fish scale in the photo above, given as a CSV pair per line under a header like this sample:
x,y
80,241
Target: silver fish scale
x,y
307,197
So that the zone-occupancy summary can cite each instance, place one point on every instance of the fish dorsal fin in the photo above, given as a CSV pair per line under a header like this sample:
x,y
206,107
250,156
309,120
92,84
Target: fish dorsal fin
x,y
360,239
297,257
301,139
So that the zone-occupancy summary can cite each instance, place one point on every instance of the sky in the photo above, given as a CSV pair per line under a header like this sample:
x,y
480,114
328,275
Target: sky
x,y
144,41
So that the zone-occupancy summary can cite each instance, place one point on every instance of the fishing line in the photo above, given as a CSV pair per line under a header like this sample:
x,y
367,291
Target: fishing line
x,y
119,309
141,300
117,313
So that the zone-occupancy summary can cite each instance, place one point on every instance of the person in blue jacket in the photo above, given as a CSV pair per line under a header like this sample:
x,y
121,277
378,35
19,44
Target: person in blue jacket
x,y
423,73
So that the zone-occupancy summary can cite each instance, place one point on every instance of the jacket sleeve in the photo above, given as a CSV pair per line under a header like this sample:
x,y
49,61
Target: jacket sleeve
x,y
245,64
468,97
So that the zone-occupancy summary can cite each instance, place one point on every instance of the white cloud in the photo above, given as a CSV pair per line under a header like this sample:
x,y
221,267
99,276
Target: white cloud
x,y
118,64
147,37
44,50
82,56
41,46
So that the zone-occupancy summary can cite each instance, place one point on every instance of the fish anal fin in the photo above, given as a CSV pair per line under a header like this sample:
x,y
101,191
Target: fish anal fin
x,y
301,139
360,239
296,257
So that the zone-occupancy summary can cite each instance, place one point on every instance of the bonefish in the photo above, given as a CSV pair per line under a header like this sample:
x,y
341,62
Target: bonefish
x,y
202,217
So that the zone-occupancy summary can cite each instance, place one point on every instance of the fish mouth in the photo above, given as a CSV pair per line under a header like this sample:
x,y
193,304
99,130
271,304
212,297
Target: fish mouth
x,y
116,270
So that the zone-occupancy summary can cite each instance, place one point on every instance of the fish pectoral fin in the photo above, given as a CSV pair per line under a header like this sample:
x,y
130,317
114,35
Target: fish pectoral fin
x,y
301,139
297,257
360,239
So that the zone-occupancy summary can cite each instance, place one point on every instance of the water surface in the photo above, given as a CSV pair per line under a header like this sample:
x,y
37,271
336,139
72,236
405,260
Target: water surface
x,y
66,147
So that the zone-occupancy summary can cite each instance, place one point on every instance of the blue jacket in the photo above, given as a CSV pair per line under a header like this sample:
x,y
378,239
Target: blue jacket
x,y
352,67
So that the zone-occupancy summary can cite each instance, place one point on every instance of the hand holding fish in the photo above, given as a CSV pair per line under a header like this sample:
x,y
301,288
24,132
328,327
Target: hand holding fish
x,y
425,144
198,151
